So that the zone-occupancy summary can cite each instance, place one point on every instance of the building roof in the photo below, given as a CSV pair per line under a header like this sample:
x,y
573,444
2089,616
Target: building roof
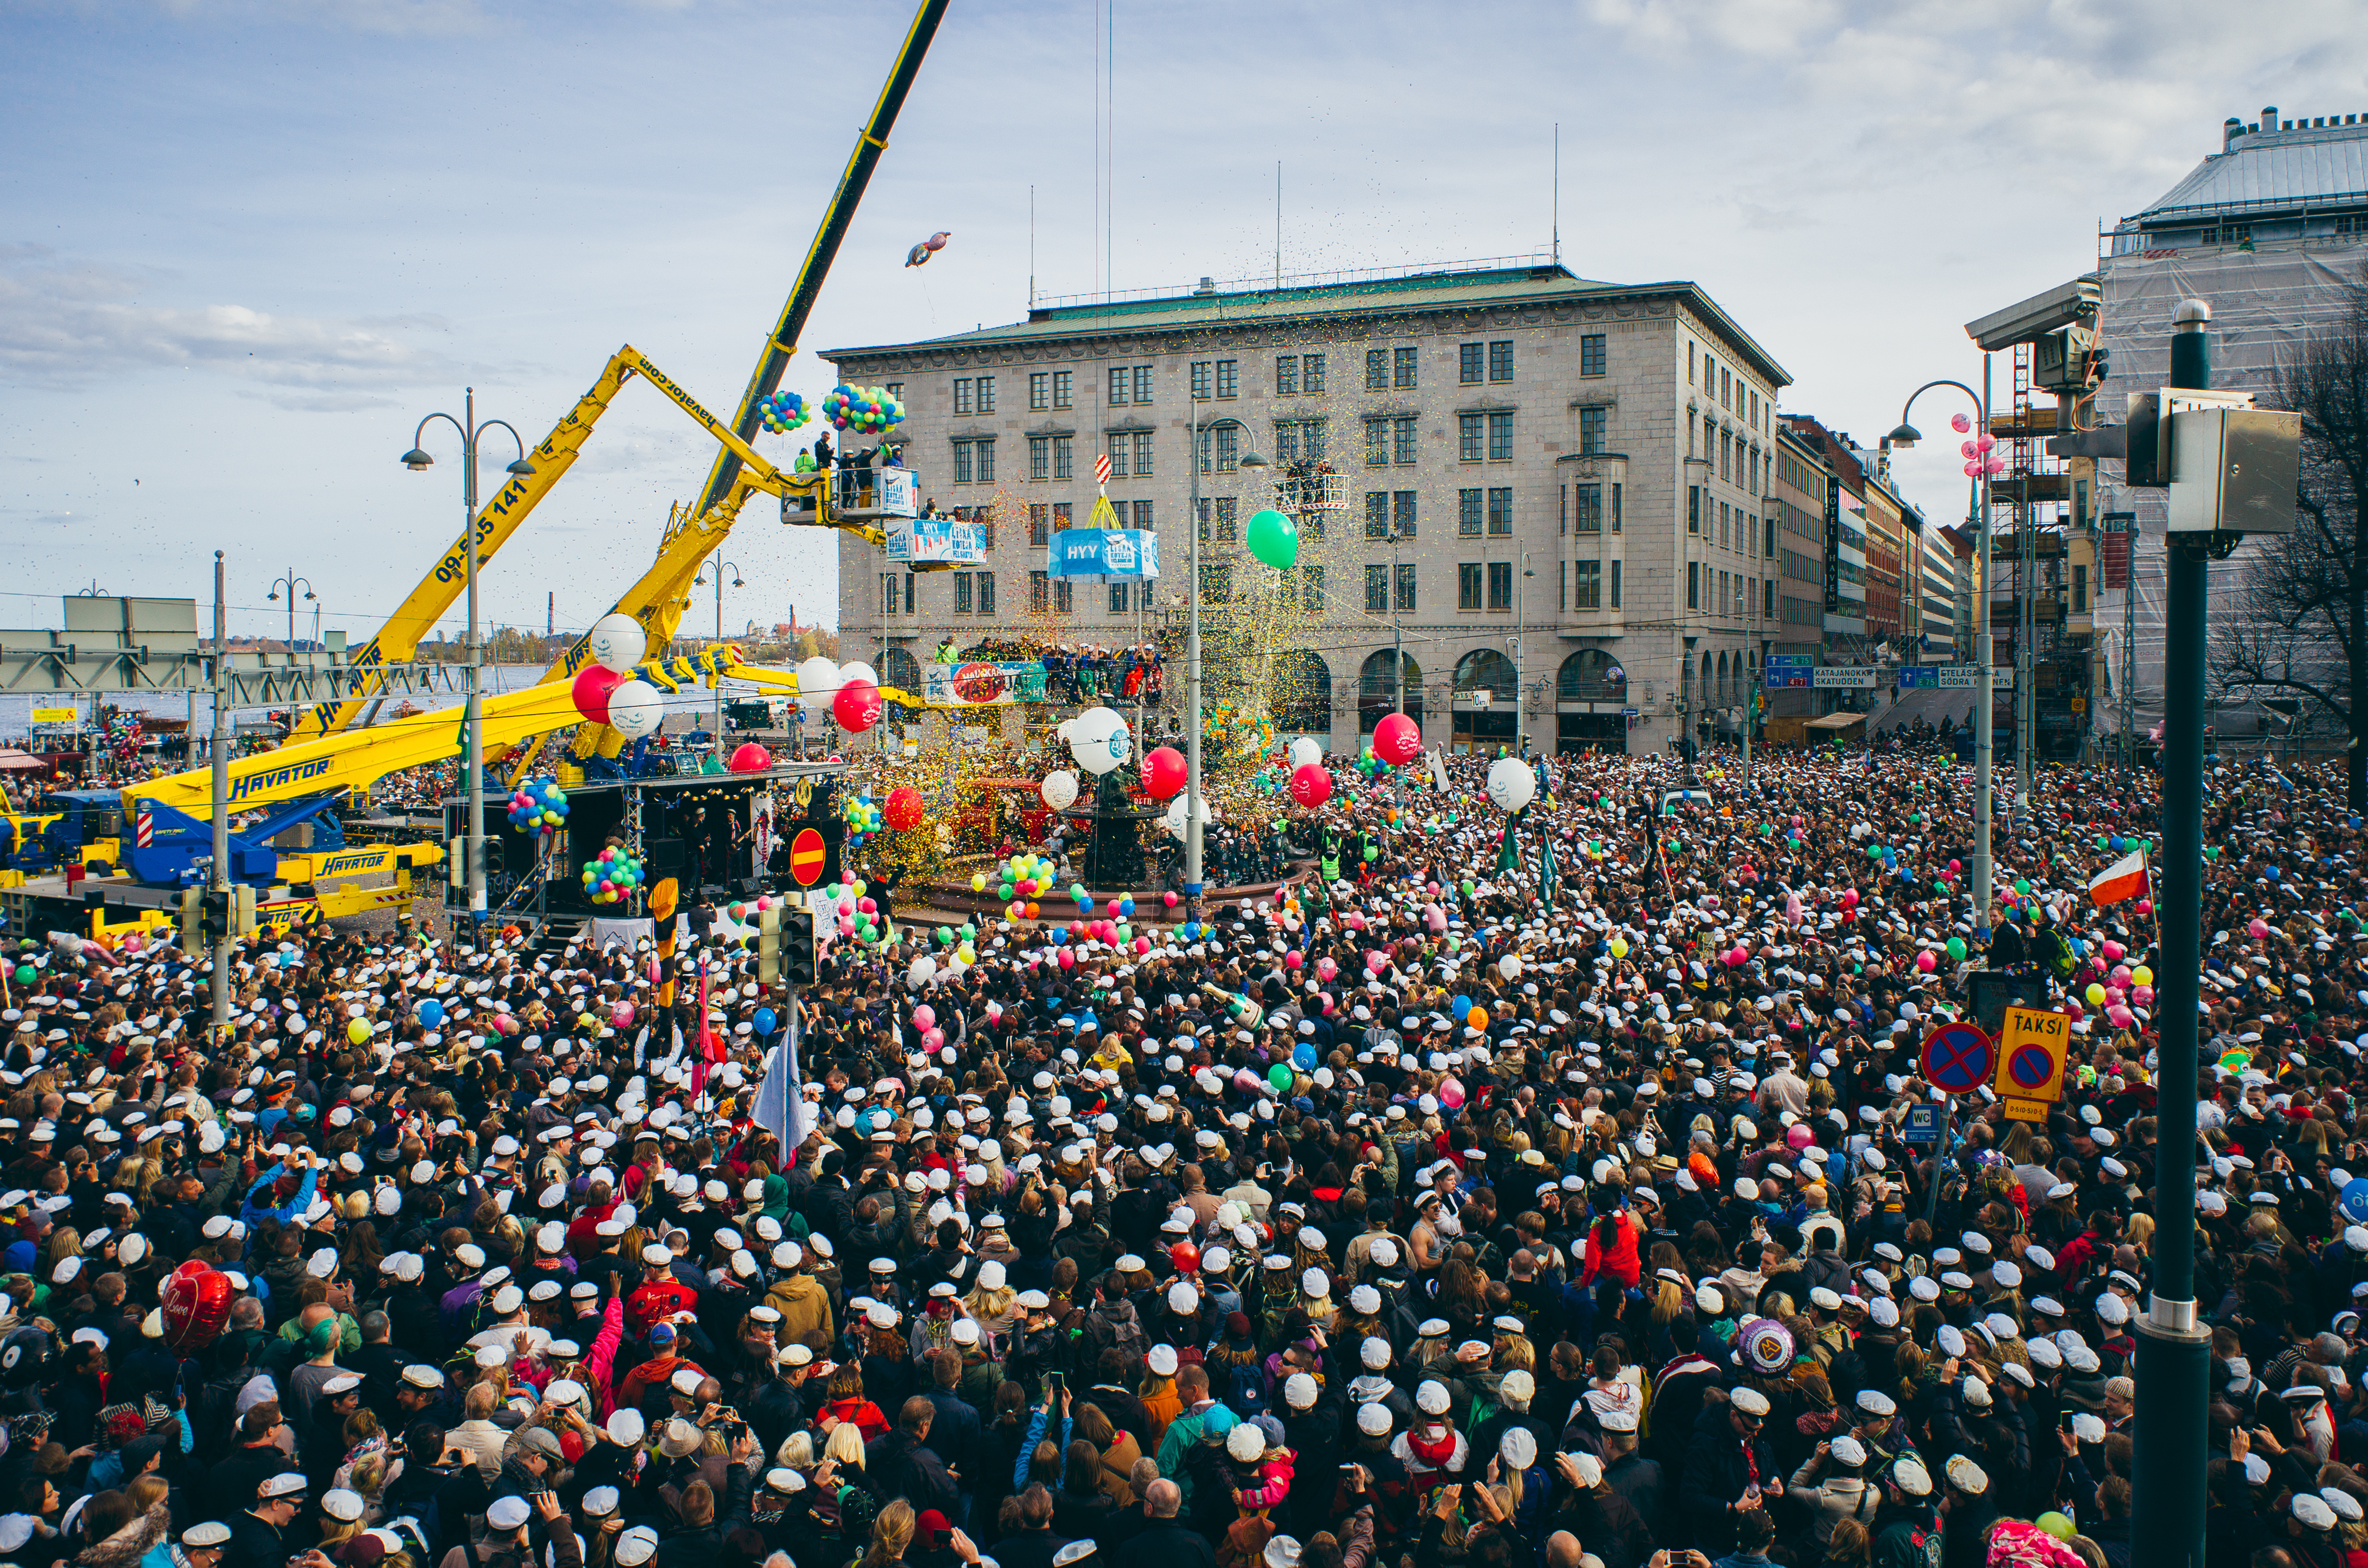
x,y
2277,164
1244,305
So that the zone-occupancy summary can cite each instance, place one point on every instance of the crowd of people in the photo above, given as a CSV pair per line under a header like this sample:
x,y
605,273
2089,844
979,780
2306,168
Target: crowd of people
x,y
1478,1197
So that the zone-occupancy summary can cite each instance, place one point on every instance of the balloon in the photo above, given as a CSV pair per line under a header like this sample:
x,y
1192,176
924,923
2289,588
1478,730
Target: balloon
x,y
2096,995
1163,772
593,687
766,1020
1925,962
2141,975
1170,900
2054,1524
924,970
1397,740
1956,949
1511,784
1280,1076
1619,947
616,641
1059,790
1306,751
903,811
635,708
1310,786
857,706
2354,1201
749,757
818,680
430,1012
1477,1017
1099,740
1273,539
623,1014
1509,966
195,1305
359,1031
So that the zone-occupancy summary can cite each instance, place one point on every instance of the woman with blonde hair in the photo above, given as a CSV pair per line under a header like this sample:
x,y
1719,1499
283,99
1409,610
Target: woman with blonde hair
x,y
993,1304
892,1532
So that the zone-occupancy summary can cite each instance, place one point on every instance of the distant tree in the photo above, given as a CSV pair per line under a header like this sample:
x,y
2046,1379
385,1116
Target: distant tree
x,y
2299,629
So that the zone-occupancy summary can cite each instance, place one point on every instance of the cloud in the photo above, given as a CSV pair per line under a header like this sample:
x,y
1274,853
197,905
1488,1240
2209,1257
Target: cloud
x,y
68,322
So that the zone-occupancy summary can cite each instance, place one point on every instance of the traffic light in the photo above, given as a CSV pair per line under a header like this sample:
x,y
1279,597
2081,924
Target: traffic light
x,y
242,920
768,945
192,933
798,939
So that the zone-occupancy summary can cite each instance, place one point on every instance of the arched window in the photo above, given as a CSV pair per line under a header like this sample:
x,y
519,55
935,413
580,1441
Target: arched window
x,y
1302,692
1591,676
1702,690
1377,695
1485,669
1722,680
899,668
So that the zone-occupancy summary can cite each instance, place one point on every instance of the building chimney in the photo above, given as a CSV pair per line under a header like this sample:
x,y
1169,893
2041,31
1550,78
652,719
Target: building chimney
x,y
1208,286
2230,130
2269,118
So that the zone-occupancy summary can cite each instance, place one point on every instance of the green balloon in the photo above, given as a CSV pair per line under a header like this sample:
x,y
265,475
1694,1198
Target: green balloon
x,y
26,974
1274,538
1466,885
2100,841
2021,885
1956,949
1280,1076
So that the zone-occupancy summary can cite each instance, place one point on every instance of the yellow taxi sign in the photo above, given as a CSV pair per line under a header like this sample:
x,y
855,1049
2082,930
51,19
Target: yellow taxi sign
x,y
57,715
2031,1062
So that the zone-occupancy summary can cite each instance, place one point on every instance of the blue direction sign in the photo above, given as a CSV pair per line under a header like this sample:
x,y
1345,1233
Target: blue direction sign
x,y
1958,1058
1923,1124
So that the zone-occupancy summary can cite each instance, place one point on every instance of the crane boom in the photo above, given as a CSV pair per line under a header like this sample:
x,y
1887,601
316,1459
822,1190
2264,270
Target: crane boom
x,y
869,142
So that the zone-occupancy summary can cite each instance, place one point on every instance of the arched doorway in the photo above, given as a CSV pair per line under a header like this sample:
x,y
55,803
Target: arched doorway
x,y
1378,695
1302,693
1485,670
1590,691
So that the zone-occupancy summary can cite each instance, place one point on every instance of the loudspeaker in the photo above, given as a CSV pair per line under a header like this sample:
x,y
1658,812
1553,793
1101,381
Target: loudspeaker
x,y
666,858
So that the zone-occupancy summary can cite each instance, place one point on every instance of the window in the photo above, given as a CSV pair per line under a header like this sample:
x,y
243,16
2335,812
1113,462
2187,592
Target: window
x,y
2079,588
1469,429
962,462
1501,437
1216,585
1589,517
1693,508
1468,360
1038,525
1500,361
888,592
1039,587
1467,514
1142,454
1119,448
1063,595
1040,391
1403,362
1722,525
1710,371
1118,385
1500,584
1311,596
987,593
1592,354
986,461
1142,516
1061,381
1718,600
1562,585
1377,514
1297,438
986,394
1769,529
1286,375
1406,587
1377,442
894,389
1402,438
1229,380
1467,585
1064,464
1039,457
1377,590
1615,585
1377,369
1061,516
1768,598
1693,585
962,403
1588,584
1200,380
1118,598
1726,390
962,593
1402,519
1225,443
1616,488
1500,510
1310,374
1228,529
1594,426
1710,435
1726,456
1143,384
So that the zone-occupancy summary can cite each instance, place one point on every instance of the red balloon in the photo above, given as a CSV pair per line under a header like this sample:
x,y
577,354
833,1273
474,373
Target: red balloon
x,y
749,757
1397,740
903,810
1163,772
857,706
1310,785
195,1304
592,685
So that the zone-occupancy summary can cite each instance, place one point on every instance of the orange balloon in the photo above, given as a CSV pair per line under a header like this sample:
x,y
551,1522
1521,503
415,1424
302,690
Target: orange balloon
x,y
1479,1018
1032,912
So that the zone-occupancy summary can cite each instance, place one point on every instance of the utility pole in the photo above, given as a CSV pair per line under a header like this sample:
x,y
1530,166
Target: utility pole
x,y
218,883
1521,625
2174,1352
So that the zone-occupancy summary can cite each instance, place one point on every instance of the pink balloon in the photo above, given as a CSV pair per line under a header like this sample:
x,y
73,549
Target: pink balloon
x,y
1955,867
933,1038
2120,1014
1170,900
1068,958
2121,974
623,1014
1376,962
1850,898
2258,928
2146,906
925,1015
1926,962
1434,916
1294,959
1325,968
2142,996
1430,888
1353,921
1143,944
2114,951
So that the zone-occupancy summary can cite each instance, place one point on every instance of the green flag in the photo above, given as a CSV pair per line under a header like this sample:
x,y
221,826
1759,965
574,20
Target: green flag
x,y
1509,853
1547,875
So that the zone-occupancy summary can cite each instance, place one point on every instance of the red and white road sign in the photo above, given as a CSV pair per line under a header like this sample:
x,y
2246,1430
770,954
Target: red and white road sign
x,y
1102,469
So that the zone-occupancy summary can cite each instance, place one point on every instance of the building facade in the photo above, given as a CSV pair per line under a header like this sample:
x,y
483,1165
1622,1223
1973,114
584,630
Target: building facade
x,y
1550,492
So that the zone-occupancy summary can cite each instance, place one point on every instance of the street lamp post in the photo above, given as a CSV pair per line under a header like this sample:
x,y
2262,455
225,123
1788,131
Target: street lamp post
x,y
471,534
1252,462
1521,627
719,565
290,581
1906,435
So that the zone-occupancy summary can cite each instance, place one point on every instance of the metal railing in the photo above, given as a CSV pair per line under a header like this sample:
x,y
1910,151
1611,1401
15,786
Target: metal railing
x,y
1270,284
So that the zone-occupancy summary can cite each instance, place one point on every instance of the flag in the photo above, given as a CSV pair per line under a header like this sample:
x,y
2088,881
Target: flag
x,y
1509,853
2124,878
781,1102
1547,874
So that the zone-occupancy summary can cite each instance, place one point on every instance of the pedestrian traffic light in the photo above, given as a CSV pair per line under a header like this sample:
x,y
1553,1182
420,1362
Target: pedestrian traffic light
x,y
798,940
192,933
242,919
768,945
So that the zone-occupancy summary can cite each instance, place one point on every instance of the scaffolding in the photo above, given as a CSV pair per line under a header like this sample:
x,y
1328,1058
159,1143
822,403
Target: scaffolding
x,y
2033,595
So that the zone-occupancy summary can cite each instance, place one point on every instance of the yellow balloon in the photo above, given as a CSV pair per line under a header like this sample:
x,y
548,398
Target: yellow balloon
x,y
966,953
2096,995
978,881
2142,976
1619,947
359,1032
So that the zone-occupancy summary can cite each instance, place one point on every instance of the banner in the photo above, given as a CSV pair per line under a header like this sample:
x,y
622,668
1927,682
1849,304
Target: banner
x,y
1105,553
914,541
57,716
980,683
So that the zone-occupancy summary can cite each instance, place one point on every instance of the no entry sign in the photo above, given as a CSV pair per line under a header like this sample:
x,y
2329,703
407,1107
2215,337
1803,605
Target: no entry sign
x,y
807,855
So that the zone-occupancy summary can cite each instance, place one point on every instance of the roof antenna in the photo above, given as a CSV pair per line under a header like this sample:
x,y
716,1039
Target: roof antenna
x,y
1031,247
1557,193
1277,223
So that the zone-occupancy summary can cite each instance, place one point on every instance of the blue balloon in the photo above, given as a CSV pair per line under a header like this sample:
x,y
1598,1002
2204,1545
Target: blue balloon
x,y
2354,1201
1302,1056
431,1013
2274,873
1461,1005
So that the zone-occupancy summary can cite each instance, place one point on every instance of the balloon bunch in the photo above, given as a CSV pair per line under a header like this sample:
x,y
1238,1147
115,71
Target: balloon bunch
x,y
858,917
611,876
750,909
960,939
1235,733
863,818
1017,881
539,804
1369,765
783,411
869,410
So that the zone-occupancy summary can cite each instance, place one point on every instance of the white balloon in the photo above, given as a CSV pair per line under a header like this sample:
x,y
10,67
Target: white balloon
x,y
1305,752
1510,783
1100,741
924,970
616,641
1172,818
1060,789
849,674
1509,966
635,708
818,680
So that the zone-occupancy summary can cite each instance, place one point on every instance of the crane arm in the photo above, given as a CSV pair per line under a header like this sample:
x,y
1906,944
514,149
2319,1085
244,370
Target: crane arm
x,y
869,142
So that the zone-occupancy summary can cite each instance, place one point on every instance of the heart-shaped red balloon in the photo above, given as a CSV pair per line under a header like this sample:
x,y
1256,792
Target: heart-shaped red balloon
x,y
195,1305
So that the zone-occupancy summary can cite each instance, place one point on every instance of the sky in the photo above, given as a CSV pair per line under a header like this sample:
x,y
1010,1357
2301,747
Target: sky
x,y
246,244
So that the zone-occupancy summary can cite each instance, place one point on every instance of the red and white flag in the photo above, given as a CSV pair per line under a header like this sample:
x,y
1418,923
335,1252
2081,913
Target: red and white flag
x,y
2124,878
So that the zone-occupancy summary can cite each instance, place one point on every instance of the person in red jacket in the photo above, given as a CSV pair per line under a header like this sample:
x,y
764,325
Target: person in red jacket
x,y
660,1295
1612,1249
